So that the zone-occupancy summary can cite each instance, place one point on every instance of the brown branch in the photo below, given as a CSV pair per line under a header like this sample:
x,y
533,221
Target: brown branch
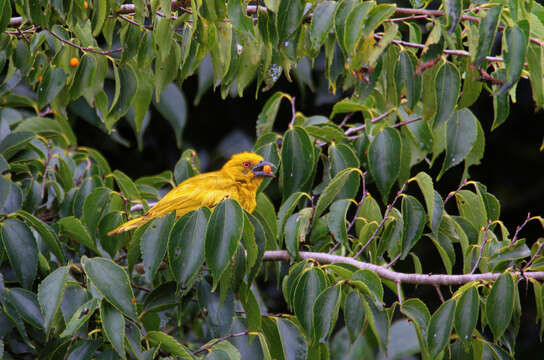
x,y
422,279
519,227
481,248
376,119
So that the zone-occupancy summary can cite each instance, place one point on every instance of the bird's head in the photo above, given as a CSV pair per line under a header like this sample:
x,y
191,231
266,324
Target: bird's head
x,y
248,167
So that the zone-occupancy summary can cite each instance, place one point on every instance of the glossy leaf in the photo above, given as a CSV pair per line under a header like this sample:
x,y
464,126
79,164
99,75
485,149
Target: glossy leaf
x,y
112,282
153,243
447,86
515,40
21,250
52,83
168,344
113,324
50,294
440,327
333,189
310,285
413,216
293,172
322,22
461,132
326,309
186,245
467,312
384,159
488,28
223,233
500,305
73,228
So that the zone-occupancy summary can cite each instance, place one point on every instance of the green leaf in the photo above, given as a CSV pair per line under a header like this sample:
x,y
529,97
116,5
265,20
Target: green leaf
x,y
515,42
322,22
336,220
296,228
73,228
453,13
413,219
14,142
405,72
223,233
112,282
153,243
288,18
113,324
80,317
535,59
287,209
447,85
26,304
378,320
127,187
185,246
173,107
50,294
236,14
384,159
84,76
45,232
433,201
333,189
126,84
326,309
311,284
354,315
168,344
342,157
21,249
461,132
416,311
5,17
376,17
293,172
466,313
487,28
472,208
342,11
440,326
52,83
354,26
161,298
500,305
267,116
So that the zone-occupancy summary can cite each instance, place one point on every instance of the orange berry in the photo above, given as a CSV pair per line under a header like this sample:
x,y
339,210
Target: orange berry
x,y
134,301
74,62
267,169
85,5
40,78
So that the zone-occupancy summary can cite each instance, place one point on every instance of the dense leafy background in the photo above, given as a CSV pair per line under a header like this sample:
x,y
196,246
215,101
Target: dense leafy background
x,y
60,197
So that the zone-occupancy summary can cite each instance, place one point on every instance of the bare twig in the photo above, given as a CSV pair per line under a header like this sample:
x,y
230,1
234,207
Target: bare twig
x,y
210,345
376,119
519,227
388,274
439,292
385,216
406,122
293,111
481,248
89,49
363,197
399,292
537,252
452,193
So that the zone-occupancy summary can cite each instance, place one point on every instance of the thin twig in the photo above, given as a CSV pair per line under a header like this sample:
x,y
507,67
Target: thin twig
x,y
45,169
385,216
537,252
452,193
406,122
210,345
395,259
519,227
376,119
399,292
363,197
89,49
439,292
293,111
143,288
388,274
481,248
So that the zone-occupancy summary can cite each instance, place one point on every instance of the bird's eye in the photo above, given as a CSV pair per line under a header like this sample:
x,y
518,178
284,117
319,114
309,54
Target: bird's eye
x,y
246,164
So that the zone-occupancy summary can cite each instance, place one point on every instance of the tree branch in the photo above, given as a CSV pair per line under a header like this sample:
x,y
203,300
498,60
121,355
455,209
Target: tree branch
x,y
421,279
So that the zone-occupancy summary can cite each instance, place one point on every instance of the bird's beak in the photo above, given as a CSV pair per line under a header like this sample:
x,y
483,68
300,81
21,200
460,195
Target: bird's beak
x,y
264,168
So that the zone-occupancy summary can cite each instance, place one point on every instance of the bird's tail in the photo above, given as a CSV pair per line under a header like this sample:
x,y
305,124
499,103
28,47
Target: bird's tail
x,y
129,225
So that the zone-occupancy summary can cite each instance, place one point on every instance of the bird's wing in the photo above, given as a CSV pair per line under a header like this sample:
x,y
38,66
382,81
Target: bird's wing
x,y
202,190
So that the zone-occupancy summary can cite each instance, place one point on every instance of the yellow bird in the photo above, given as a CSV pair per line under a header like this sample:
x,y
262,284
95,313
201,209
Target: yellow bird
x,y
238,179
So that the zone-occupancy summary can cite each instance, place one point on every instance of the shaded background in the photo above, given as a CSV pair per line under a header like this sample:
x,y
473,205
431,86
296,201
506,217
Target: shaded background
x,y
511,167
